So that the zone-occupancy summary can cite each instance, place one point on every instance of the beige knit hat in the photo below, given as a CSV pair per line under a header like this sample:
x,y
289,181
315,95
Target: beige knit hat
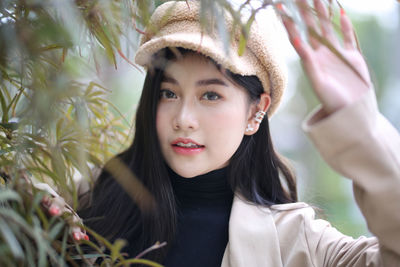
x,y
176,24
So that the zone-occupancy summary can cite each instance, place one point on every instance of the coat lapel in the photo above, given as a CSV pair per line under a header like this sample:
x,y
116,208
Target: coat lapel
x,y
253,240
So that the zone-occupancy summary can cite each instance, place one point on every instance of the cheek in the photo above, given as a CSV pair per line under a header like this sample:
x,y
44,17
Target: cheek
x,y
231,122
235,118
229,127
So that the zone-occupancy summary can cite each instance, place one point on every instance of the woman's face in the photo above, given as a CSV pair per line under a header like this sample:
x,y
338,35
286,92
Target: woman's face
x,y
201,116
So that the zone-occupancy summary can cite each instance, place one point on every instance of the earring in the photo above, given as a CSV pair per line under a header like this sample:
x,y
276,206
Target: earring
x,y
249,128
259,116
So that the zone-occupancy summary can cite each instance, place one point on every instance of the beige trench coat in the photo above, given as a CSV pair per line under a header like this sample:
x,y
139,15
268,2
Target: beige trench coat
x,y
360,144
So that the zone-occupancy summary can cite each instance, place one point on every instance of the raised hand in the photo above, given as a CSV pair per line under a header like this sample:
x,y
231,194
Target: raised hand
x,y
337,70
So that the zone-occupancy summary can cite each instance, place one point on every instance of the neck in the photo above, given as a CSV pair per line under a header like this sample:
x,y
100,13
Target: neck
x,y
209,189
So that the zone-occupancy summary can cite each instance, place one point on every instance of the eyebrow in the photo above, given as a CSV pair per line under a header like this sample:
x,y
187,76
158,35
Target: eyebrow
x,y
210,82
198,83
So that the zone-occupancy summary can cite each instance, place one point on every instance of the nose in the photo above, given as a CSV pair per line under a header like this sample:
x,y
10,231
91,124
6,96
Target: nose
x,y
186,118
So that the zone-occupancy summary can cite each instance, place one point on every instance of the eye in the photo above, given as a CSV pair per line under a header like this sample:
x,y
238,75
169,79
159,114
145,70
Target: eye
x,y
212,96
165,93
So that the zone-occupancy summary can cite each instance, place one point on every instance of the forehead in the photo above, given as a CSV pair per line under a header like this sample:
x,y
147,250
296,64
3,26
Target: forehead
x,y
193,64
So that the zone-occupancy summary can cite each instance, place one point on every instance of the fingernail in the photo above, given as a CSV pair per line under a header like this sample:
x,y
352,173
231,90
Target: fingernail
x,y
77,236
279,6
342,12
86,237
296,42
54,211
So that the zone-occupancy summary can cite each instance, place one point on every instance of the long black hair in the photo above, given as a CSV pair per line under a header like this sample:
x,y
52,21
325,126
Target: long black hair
x,y
255,171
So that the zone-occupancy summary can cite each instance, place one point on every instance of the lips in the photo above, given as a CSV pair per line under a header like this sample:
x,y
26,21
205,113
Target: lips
x,y
186,142
186,146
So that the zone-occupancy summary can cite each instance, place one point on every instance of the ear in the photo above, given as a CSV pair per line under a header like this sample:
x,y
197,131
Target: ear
x,y
263,105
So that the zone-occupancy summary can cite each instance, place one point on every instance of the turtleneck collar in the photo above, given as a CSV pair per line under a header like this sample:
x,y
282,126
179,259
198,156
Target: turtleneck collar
x,y
209,189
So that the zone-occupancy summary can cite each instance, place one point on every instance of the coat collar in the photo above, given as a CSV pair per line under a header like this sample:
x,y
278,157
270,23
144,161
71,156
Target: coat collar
x,y
253,239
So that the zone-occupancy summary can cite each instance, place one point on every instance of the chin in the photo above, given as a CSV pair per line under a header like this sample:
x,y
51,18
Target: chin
x,y
188,172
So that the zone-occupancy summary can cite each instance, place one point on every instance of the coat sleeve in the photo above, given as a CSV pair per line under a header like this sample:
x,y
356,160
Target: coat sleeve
x,y
359,143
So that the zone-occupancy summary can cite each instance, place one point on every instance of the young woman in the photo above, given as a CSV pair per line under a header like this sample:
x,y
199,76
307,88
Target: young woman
x,y
205,176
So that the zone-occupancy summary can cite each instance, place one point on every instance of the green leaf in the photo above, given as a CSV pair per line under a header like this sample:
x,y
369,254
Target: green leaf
x,y
64,242
106,43
4,108
14,101
138,261
40,243
245,34
15,218
8,194
94,159
6,150
116,249
59,127
88,256
36,202
50,174
29,249
11,240
55,230
98,237
242,45
94,94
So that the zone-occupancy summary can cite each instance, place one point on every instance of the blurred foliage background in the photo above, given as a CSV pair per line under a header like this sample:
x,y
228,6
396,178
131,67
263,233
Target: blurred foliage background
x,y
68,94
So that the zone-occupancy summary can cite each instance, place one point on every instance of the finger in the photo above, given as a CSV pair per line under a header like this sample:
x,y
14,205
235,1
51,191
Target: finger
x,y
325,22
304,51
347,30
59,203
54,206
306,13
54,210
302,48
78,234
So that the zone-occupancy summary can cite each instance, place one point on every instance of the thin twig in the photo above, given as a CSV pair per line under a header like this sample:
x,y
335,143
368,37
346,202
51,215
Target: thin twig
x,y
127,60
157,245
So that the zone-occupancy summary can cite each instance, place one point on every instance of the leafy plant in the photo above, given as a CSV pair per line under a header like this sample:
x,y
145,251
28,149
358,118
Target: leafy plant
x,y
55,123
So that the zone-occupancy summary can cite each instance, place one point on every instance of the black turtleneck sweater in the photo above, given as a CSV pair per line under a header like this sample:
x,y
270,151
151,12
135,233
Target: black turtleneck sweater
x,y
204,206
